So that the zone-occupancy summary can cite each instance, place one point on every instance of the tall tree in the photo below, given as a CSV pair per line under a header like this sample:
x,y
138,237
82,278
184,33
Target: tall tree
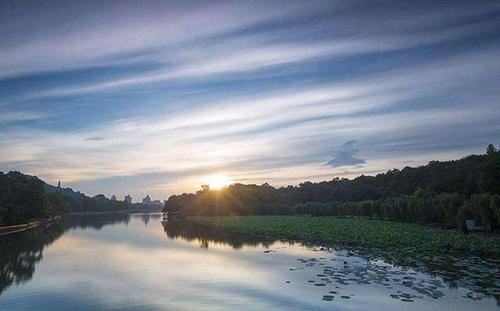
x,y
489,175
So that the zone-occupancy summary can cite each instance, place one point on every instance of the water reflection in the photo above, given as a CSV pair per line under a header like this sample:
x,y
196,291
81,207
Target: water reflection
x,y
146,217
206,235
83,221
135,263
480,275
21,252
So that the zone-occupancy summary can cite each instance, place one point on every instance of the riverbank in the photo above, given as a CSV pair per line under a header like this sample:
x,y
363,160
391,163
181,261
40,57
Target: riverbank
x,y
125,211
404,241
98,213
5,230
23,227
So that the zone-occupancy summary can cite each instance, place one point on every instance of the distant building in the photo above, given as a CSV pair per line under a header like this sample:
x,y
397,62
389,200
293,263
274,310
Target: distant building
x,y
128,199
146,200
113,197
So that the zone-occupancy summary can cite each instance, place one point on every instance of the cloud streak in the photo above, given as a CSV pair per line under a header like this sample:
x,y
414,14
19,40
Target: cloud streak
x,y
153,97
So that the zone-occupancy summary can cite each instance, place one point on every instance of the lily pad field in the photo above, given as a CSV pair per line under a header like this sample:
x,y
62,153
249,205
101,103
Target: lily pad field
x,y
460,260
405,242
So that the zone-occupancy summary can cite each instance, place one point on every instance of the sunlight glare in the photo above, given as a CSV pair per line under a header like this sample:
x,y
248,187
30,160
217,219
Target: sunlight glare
x,y
217,182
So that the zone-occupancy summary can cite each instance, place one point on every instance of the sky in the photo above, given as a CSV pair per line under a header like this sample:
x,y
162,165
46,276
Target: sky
x,y
138,97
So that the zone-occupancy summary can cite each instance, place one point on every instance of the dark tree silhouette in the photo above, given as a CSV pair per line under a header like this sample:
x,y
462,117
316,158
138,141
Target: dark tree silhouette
x,y
435,193
489,178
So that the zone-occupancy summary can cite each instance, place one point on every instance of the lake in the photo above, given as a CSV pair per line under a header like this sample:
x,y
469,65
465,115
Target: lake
x,y
133,262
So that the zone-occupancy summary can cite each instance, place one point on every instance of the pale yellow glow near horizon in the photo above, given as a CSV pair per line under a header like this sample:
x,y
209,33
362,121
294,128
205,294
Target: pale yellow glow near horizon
x,y
217,182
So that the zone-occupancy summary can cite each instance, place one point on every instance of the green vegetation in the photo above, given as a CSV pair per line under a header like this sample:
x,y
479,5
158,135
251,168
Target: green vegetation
x,y
489,179
25,198
404,241
444,193
449,210
22,199
76,202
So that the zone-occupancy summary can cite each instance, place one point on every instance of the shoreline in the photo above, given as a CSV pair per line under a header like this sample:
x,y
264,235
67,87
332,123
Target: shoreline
x,y
116,212
6,230
403,240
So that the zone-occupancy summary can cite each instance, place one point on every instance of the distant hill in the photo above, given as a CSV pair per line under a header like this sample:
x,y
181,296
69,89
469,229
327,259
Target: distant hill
x,y
65,191
24,198
76,201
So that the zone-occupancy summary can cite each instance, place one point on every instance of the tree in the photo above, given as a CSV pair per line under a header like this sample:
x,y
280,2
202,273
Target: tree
x,y
495,207
3,211
491,149
448,205
489,175
205,188
22,198
481,207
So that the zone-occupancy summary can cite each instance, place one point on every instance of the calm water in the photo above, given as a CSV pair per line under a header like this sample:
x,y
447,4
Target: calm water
x,y
119,262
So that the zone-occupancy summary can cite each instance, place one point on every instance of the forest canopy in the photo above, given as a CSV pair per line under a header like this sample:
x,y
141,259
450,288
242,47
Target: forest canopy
x,y
24,198
444,193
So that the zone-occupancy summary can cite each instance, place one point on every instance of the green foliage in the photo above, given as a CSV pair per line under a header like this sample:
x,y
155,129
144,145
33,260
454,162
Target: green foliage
x,y
405,240
25,198
495,207
237,199
489,178
461,176
65,202
3,211
422,206
484,209
448,205
449,210
491,149
22,198
68,201
432,194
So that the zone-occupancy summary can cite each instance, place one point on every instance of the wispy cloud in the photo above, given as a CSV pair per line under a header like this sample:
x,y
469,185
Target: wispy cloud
x,y
8,116
80,36
255,55
153,97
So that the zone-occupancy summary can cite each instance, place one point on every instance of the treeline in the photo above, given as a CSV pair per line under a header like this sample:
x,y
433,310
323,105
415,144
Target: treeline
x,y
443,193
449,210
22,198
461,176
236,199
69,201
25,198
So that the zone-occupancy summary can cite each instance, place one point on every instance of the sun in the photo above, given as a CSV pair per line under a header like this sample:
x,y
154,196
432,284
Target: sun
x,y
217,182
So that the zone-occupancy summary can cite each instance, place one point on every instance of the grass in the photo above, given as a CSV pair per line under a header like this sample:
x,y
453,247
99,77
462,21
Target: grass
x,y
404,241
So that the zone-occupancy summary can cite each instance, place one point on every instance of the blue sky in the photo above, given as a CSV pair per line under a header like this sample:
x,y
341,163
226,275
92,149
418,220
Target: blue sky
x,y
120,97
